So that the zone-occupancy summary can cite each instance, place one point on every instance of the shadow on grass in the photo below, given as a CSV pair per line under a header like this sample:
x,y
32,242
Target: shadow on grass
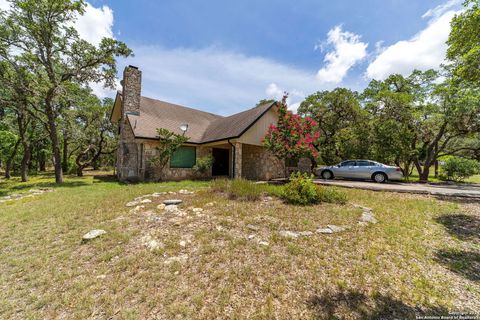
x,y
104,178
22,187
461,226
464,263
356,305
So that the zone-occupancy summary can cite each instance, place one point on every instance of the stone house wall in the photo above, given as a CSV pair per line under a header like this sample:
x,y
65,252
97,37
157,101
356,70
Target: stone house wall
x,y
150,173
128,154
260,164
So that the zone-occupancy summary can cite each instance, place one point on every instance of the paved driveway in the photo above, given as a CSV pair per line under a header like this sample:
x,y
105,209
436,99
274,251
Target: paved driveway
x,y
471,191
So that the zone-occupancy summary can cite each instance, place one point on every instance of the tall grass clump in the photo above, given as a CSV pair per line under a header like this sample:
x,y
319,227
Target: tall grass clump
x,y
239,189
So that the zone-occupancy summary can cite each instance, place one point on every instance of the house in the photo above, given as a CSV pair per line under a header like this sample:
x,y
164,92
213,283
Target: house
x,y
235,142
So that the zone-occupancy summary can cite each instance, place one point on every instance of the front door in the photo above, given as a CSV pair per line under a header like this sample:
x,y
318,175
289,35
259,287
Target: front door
x,y
220,162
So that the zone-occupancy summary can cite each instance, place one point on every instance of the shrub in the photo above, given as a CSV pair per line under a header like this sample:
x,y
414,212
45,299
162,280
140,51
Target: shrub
x,y
303,191
203,165
458,169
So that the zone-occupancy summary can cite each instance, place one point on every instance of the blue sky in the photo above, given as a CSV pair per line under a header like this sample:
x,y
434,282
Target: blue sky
x,y
223,56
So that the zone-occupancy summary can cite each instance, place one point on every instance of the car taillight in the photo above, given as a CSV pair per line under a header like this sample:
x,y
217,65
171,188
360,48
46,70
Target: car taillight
x,y
398,169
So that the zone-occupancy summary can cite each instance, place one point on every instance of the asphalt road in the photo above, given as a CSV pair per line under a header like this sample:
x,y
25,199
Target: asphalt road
x,y
471,191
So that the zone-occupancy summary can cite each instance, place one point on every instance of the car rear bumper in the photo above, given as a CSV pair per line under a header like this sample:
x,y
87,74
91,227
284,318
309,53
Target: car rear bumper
x,y
396,175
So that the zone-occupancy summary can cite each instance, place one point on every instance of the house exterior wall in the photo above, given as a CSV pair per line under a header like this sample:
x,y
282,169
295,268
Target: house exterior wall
x,y
254,135
150,173
260,164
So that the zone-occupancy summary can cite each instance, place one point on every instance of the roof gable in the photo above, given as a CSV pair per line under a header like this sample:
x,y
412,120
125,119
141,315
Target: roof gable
x,y
203,127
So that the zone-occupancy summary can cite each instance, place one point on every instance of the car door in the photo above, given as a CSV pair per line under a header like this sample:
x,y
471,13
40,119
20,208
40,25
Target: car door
x,y
364,169
346,170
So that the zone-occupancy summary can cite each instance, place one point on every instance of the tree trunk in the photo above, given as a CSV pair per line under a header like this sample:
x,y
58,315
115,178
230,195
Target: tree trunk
x,y
8,165
25,160
79,171
41,162
65,152
424,174
52,126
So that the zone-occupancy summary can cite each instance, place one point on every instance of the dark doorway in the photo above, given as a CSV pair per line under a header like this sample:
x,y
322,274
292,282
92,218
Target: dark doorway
x,y
220,162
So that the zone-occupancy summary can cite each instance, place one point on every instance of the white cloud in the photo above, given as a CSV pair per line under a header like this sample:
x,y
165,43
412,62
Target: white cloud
x,y
347,51
217,80
95,24
423,51
294,98
441,9
4,5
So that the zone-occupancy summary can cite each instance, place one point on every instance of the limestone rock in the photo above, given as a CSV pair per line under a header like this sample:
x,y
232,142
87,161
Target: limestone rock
x,y
368,217
161,206
253,227
335,228
171,208
146,201
132,203
305,233
324,230
289,234
172,202
92,234
184,191
263,243
197,209
210,204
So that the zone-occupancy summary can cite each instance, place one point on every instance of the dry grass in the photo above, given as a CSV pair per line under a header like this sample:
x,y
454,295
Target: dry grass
x,y
417,258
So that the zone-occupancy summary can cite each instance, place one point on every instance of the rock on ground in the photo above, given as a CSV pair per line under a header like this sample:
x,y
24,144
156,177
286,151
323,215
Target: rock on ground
x,y
92,234
325,230
368,217
172,201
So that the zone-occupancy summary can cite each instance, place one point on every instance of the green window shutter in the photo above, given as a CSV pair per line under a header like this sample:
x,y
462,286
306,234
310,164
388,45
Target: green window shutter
x,y
183,157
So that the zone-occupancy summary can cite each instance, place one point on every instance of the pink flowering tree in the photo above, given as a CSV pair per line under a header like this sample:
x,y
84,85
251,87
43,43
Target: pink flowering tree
x,y
293,137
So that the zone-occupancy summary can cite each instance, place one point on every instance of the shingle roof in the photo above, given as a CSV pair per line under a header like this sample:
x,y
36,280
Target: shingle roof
x,y
202,126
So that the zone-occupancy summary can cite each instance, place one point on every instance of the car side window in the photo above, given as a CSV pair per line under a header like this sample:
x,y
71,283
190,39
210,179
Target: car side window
x,y
348,164
364,163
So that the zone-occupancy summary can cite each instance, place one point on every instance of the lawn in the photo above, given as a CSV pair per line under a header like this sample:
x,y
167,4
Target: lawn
x,y
230,260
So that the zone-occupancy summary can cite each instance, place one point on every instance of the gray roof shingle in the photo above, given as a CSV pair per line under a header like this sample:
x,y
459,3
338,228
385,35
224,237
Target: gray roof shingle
x,y
203,127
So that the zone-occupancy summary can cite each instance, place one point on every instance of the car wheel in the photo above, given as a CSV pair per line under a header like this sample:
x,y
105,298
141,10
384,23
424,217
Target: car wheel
x,y
327,175
379,177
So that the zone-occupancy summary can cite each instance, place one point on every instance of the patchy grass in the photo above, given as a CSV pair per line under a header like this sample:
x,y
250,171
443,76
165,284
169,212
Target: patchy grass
x,y
422,256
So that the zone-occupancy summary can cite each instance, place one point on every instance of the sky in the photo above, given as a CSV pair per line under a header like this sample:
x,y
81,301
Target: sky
x,y
224,56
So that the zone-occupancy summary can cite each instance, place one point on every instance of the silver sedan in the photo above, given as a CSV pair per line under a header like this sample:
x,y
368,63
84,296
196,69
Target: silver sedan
x,y
361,169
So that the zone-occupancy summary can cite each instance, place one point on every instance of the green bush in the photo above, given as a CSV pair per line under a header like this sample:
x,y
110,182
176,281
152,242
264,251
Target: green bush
x,y
458,169
303,191
203,165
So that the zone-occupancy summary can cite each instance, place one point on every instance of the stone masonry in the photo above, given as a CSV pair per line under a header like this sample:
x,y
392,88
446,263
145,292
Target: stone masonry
x,y
260,164
129,150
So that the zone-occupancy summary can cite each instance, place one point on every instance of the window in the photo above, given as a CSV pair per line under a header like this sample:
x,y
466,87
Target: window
x,y
183,157
347,164
364,163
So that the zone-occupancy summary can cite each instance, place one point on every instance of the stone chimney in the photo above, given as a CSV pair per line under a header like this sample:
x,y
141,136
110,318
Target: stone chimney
x,y
131,92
